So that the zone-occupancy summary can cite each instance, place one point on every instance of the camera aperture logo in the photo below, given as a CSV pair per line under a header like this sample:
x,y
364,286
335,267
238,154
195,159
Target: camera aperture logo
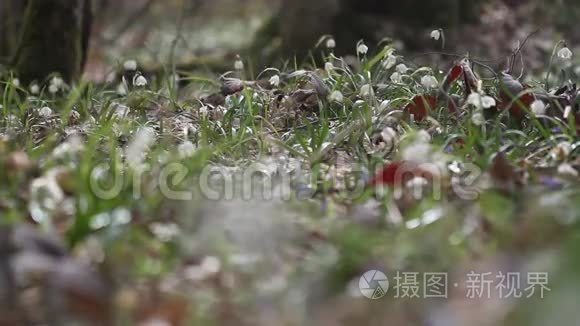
x,y
373,284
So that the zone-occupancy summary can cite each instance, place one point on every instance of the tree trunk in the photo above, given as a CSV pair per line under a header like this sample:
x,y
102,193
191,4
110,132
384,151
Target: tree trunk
x,y
11,13
54,39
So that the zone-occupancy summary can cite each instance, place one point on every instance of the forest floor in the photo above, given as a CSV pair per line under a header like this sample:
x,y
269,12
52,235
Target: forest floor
x,y
265,198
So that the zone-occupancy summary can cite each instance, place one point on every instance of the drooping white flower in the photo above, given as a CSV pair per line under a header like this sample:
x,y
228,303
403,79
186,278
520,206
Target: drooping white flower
x,y
436,34
474,99
275,80
45,197
384,105
538,107
358,104
130,65
389,135
418,151
186,149
239,64
479,101
477,118
139,146
122,89
362,49
57,81
68,148
402,68
45,112
330,43
203,111
329,67
565,53
566,169
487,102
140,81
567,111
16,82
396,78
366,91
34,89
389,62
52,89
429,82
336,96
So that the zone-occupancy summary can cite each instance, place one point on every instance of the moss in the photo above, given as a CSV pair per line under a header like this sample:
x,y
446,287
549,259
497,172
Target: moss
x,y
50,40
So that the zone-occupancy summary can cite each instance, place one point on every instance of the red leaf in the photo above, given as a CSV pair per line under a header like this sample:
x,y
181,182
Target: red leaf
x,y
452,76
421,106
398,173
515,106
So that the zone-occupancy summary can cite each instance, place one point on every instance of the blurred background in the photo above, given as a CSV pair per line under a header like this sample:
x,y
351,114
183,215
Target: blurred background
x,y
210,33
267,32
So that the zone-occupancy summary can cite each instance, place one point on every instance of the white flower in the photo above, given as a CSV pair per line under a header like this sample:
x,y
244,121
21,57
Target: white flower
x,y
418,151
479,101
139,146
389,135
358,104
396,78
275,81
45,112
329,67
140,81
362,49
402,68
390,61
165,231
186,149
487,102
68,148
477,118
566,169
336,96
436,34
239,64
34,89
429,82
565,53
384,105
330,43
122,89
567,111
130,65
52,89
366,91
538,107
57,81
203,111
474,99
16,82
45,197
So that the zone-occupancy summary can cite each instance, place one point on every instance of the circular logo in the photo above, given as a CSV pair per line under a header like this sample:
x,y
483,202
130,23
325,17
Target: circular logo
x,y
373,284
